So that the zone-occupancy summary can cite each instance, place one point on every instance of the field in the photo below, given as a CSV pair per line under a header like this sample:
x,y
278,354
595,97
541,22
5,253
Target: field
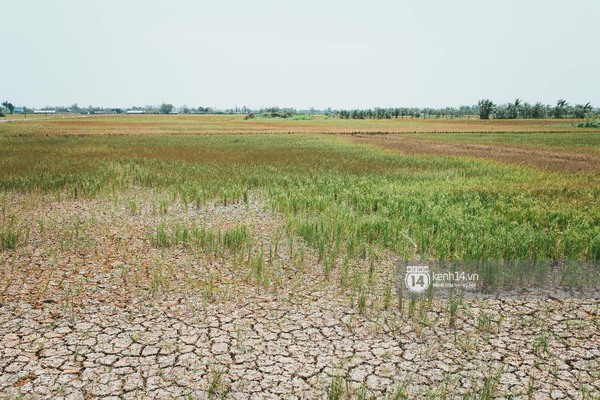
x,y
145,125
210,256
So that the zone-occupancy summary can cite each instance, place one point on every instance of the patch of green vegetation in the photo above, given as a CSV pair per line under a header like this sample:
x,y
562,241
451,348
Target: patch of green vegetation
x,y
588,124
216,241
9,239
343,199
303,117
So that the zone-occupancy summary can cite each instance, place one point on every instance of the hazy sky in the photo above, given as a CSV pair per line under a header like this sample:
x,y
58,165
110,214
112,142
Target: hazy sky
x,y
342,54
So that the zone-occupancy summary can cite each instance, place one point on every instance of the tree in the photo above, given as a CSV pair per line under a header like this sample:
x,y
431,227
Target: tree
x,y
526,110
559,110
513,109
9,106
166,108
537,111
581,110
76,109
486,107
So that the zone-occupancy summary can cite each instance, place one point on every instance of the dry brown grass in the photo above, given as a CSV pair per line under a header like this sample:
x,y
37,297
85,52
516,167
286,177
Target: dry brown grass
x,y
548,158
211,124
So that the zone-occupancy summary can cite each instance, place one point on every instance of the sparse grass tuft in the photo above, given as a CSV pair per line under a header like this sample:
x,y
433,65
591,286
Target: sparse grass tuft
x,y
338,388
541,346
216,387
9,239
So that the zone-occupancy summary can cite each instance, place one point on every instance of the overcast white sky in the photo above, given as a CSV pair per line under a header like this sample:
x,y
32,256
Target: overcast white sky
x,y
340,54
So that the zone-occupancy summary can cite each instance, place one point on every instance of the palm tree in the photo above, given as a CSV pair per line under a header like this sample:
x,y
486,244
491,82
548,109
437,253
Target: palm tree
x,y
513,109
9,106
486,107
581,110
560,108
537,111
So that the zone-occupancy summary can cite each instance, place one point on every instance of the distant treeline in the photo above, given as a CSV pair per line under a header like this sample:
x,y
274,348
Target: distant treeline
x,y
484,109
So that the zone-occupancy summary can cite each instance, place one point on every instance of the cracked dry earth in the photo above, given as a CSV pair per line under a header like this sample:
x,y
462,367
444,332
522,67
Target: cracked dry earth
x,y
104,313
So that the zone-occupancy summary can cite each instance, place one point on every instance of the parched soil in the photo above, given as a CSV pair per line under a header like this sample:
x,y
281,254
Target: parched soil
x,y
291,345
91,308
553,159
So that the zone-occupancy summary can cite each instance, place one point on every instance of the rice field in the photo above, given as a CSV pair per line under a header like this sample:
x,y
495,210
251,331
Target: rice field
x,y
145,125
216,215
343,198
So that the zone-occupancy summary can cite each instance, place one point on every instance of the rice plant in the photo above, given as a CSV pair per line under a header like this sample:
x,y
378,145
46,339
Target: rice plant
x,y
488,388
338,388
9,239
541,346
216,386
258,270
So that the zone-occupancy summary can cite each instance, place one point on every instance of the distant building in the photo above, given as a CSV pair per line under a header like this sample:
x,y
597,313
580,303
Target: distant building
x,y
136,112
44,112
19,110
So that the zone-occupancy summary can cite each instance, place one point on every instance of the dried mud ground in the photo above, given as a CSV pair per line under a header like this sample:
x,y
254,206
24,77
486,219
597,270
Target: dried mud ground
x,y
92,307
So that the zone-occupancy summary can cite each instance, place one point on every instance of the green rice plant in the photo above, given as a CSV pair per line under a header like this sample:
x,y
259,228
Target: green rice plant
x,y
412,305
258,270
159,279
489,387
584,391
453,305
179,235
484,322
42,225
541,346
133,206
216,387
9,239
338,388
531,384
358,280
363,297
163,205
400,299
209,287
371,280
344,273
387,295
235,238
401,392
204,238
362,393
162,238
328,262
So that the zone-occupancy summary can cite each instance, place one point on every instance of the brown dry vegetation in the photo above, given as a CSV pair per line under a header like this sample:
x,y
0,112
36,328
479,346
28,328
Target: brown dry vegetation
x,y
550,158
210,124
